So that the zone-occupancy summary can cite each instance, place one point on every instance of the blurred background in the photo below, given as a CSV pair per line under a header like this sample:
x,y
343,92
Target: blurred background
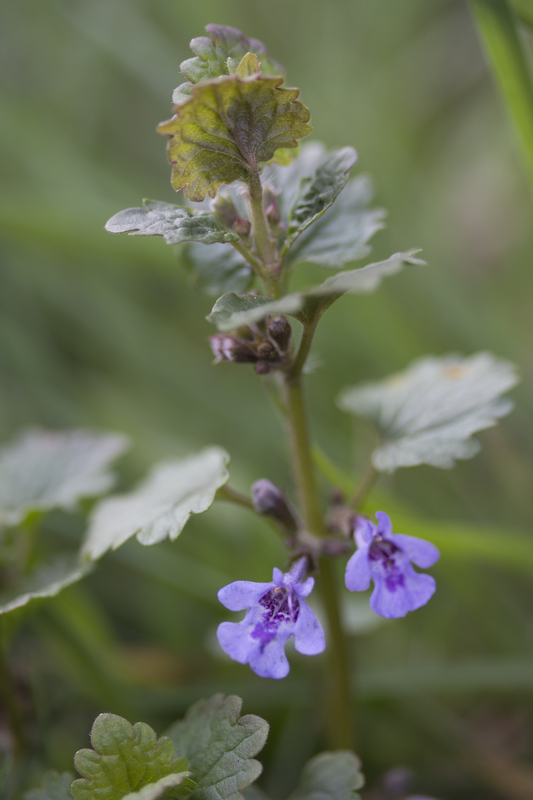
x,y
106,332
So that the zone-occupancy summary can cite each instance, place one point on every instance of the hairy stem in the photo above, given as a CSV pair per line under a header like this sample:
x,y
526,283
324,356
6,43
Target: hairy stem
x,y
270,273
339,703
250,258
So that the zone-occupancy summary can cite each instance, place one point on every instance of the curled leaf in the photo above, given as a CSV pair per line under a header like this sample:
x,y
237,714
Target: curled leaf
x,y
228,128
45,580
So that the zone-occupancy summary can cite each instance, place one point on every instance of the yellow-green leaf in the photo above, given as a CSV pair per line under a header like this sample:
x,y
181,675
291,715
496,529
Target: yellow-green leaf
x,y
229,128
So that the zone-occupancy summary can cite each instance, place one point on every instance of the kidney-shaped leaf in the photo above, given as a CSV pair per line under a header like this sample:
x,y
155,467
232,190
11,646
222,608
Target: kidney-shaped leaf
x,y
173,223
231,311
330,776
126,758
43,470
220,745
159,507
46,580
227,127
427,414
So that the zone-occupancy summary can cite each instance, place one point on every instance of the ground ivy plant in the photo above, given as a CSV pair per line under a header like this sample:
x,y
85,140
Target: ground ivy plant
x,y
260,204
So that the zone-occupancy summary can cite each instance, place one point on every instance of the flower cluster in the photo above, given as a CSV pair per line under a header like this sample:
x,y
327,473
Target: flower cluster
x,y
250,346
277,610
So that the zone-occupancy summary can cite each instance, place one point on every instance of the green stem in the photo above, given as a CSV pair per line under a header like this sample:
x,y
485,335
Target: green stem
x,y
249,256
304,347
339,702
369,479
497,29
268,256
234,496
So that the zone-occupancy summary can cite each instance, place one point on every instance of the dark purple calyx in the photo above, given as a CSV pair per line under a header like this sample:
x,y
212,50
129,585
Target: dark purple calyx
x,y
280,605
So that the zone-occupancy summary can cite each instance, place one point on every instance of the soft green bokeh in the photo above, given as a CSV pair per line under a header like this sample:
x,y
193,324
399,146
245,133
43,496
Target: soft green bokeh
x,y
105,332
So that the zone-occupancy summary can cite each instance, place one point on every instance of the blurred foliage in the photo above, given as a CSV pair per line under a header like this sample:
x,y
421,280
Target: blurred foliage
x,y
106,332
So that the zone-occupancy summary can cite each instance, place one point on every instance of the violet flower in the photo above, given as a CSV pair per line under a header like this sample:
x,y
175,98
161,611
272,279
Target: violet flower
x,y
276,611
385,557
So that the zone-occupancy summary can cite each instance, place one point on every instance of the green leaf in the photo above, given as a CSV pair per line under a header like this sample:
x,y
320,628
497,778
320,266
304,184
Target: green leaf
x,y
173,223
56,786
231,311
161,505
318,192
171,786
217,269
220,746
330,776
221,55
46,580
126,758
227,128
341,235
427,414
42,470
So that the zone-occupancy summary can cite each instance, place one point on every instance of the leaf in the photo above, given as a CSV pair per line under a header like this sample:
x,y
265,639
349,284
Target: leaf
x,y
217,269
220,747
128,757
56,786
220,55
161,505
330,776
176,785
427,414
318,192
173,223
231,311
42,470
46,580
227,128
342,233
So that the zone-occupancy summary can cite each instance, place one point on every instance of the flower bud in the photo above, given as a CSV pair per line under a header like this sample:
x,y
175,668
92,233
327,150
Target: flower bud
x,y
224,207
229,348
242,227
269,501
272,214
280,330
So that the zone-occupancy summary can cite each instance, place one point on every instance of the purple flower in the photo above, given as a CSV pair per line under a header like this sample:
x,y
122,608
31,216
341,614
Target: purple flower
x,y
276,611
385,557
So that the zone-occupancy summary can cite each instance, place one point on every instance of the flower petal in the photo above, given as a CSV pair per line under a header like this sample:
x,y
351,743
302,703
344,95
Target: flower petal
x,y
422,553
271,661
277,576
364,532
384,524
393,603
234,638
357,577
309,637
243,594
305,588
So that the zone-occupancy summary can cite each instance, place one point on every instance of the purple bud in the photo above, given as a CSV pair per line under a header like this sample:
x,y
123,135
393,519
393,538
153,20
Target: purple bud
x,y
273,215
224,206
269,501
280,330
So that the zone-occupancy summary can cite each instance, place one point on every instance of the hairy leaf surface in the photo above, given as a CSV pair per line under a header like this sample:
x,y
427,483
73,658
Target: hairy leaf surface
x,y
161,505
427,414
220,55
220,746
45,580
43,470
217,269
174,224
228,127
330,776
126,758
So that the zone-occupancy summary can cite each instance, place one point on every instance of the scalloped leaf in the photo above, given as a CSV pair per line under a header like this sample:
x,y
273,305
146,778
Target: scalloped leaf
x,y
42,470
161,505
319,191
126,758
228,127
220,55
232,311
174,223
330,776
217,269
167,788
427,414
56,786
220,746
45,580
